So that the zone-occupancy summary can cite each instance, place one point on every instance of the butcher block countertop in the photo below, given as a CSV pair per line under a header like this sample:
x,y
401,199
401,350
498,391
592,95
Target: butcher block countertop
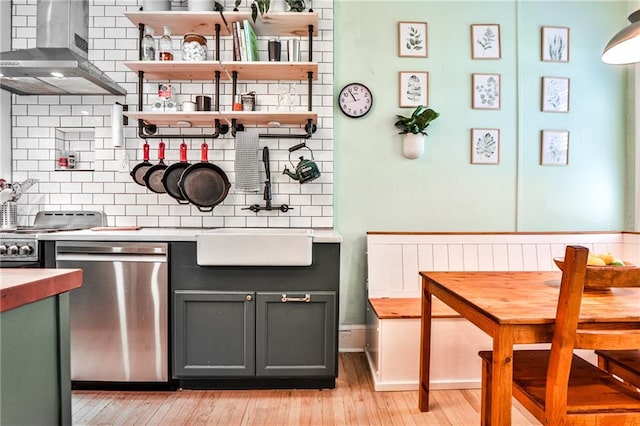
x,y
19,287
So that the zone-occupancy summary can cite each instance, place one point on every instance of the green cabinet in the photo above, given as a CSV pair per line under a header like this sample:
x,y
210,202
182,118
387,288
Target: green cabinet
x,y
35,378
240,334
291,333
214,334
248,327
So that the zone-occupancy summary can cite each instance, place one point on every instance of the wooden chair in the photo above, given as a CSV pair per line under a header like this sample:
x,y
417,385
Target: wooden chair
x,y
560,388
624,364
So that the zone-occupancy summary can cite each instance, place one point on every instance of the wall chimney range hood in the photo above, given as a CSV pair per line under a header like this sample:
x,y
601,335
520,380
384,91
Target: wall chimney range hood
x,y
58,65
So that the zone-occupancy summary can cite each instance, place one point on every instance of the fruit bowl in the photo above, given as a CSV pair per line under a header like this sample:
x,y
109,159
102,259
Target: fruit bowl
x,y
605,277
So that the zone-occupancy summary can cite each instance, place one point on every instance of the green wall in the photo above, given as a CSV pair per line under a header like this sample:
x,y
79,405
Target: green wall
x,y
377,189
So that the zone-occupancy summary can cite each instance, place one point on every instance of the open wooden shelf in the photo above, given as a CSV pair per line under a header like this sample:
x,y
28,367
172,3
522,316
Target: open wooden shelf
x,y
207,118
205,70
183,22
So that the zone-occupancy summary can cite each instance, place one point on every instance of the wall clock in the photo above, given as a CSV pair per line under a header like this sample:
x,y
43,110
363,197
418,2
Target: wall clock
x,y
355,100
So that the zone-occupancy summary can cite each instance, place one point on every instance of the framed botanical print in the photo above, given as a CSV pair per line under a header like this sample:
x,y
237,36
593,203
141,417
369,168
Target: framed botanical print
x,y
485,146
555,44
414,88
555,94
485,41
412,39
486,91
554,148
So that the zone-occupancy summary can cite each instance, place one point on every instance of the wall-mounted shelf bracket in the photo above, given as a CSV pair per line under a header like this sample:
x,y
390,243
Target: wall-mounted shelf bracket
x,y
310,128
148,131
125,119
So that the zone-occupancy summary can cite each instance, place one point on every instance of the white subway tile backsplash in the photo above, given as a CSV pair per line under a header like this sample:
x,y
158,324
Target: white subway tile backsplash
x,y
113,40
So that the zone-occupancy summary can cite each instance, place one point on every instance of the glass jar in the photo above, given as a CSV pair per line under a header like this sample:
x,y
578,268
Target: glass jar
x,y
148,45
194,47
165,47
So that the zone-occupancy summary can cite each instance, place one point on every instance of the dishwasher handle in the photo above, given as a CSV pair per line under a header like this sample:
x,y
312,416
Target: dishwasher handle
x,y
79,257
119,248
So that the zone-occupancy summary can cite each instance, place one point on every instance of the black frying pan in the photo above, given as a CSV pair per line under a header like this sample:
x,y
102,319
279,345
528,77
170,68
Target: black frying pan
x,y
153,177
204,184
140,169
171,176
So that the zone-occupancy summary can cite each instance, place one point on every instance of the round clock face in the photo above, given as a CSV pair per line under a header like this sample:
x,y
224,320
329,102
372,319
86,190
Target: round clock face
x,y
355,100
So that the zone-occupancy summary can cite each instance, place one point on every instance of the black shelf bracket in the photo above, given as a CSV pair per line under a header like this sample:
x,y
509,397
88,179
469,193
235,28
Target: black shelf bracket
x,y
310,128
310,43
148,131
125,119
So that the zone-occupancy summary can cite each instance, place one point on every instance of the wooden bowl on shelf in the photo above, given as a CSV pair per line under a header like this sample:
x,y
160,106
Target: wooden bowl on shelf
x,y
603,277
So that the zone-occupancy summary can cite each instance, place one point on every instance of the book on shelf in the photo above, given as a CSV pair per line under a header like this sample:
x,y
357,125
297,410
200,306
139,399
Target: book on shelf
x,y
243,44
236,40
251,41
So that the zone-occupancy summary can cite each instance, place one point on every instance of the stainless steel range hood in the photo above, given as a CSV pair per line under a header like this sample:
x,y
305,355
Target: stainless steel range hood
x,y
58,65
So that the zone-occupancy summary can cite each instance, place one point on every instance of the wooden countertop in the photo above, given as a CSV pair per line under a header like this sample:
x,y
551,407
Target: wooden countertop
x,y
19,287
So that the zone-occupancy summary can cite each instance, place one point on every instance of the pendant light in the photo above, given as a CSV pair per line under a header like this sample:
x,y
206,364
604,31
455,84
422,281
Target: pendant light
x,y
624,47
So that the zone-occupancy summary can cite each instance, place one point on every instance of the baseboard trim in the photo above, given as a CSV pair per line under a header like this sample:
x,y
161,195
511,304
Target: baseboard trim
x,y
351,338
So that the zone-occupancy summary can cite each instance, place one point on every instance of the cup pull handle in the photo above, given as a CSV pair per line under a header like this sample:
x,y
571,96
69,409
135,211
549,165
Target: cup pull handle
x,y
285,299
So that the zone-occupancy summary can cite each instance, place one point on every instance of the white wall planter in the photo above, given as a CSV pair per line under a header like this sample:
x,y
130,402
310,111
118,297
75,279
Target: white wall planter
x,y
413,145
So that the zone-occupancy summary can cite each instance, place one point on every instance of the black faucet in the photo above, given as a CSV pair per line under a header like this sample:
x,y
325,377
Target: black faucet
x,y
266,196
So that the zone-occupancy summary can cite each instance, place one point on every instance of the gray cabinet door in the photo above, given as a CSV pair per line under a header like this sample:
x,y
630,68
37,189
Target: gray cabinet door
x,y
214,334
296,334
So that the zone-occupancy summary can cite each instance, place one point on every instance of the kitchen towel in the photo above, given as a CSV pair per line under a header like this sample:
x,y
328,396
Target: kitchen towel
x,y
247,161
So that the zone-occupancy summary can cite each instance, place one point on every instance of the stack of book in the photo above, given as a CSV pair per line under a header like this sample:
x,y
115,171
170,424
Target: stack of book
x,y
245,42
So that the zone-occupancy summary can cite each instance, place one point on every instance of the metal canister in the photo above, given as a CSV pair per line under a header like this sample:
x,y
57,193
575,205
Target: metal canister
x,y
248,101
9,215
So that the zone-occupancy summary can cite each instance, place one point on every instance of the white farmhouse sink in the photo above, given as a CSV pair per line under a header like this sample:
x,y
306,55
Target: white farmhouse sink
x,y
254,247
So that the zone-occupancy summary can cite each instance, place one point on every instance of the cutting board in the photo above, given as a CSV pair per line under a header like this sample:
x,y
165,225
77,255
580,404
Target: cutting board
x,y
116,228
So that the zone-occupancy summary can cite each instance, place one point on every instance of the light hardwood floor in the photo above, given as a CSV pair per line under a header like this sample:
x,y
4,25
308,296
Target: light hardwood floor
x,y
352,402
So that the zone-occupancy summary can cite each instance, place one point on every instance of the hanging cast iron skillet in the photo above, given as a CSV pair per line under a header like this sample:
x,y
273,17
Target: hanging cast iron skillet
x,y
140,169
204,184
172,174
153,177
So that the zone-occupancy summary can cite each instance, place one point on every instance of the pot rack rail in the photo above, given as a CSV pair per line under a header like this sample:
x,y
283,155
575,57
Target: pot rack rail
x,y
149,130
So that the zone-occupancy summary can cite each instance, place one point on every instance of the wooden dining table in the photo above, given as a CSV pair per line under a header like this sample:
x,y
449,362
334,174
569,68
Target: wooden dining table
x,y
513,308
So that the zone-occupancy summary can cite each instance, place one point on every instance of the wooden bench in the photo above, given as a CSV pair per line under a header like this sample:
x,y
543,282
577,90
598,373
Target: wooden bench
x,y
623,363
393,296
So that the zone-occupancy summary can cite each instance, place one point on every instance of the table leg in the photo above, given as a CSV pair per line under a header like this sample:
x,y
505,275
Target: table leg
x,y
425,348
502,377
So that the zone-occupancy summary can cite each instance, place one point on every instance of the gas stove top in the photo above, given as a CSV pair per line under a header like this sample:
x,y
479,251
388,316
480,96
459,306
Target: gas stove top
x,y
21,230
21,244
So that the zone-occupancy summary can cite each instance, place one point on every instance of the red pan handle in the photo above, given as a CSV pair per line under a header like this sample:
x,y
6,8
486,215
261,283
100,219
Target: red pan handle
x,y
145,152
161,151
204,152
183,152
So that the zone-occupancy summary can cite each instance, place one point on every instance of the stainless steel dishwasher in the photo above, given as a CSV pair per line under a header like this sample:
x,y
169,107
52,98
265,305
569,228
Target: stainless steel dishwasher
x,y
119,324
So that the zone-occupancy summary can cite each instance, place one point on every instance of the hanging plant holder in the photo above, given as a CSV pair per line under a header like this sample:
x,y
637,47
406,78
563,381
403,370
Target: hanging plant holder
x,y
413,129
413,145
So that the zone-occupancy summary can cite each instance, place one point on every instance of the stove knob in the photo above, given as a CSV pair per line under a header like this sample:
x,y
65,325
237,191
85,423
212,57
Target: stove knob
x,y
3,249
26,250
12,249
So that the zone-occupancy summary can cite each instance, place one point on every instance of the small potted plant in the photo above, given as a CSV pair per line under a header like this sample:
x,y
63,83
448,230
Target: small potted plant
x,y
413,127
